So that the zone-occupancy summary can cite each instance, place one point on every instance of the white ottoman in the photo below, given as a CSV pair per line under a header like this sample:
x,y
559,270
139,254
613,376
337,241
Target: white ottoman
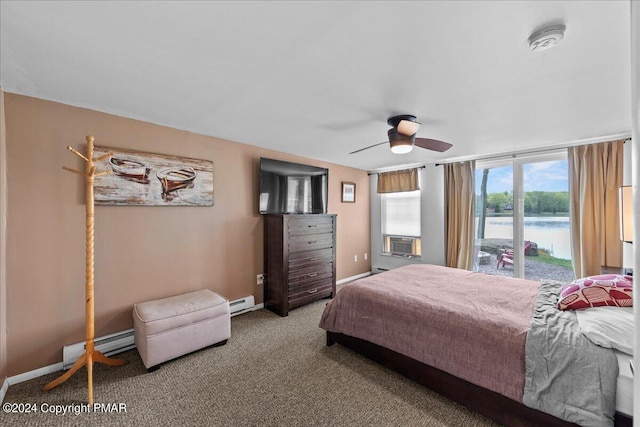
x,y
171,327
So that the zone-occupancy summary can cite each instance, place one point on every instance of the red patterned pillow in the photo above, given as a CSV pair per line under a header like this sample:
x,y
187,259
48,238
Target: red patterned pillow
x,y
597,291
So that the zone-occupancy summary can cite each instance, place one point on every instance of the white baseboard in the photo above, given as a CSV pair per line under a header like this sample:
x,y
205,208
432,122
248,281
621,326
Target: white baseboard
x,y
349,279
26,376
3,389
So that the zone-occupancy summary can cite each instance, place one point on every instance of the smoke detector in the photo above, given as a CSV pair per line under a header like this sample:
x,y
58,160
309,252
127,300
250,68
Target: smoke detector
x,y
546,38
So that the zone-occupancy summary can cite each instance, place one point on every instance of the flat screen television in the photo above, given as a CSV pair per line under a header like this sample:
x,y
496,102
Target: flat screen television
x,y
292,188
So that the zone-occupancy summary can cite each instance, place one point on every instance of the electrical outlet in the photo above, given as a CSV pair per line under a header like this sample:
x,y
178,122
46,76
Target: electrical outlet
x,y
260,279
365,256
355,258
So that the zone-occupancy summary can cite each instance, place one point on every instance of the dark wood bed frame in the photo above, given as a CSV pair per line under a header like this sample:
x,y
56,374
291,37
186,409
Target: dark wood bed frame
x,y
485,402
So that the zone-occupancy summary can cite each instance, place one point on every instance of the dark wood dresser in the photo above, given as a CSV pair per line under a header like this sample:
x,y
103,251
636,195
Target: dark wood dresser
x,y
299,260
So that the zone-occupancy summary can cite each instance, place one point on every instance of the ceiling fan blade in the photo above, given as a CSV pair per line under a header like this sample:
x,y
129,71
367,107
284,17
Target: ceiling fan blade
x,y
432,144
366,148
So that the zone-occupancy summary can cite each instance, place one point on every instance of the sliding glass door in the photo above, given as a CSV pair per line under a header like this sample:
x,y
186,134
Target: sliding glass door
x,y
522,219
546,225
494,218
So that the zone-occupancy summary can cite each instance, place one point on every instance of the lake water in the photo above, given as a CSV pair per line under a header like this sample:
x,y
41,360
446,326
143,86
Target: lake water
x,y
551,233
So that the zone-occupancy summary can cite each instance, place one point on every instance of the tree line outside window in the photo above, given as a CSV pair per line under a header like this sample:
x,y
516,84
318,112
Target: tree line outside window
x,y
535,202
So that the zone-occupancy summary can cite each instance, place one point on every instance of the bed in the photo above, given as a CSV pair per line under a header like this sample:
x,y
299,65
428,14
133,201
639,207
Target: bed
x,y
464,335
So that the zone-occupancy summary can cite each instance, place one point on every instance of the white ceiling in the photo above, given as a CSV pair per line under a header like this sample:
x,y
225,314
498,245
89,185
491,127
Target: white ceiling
x,y
319,79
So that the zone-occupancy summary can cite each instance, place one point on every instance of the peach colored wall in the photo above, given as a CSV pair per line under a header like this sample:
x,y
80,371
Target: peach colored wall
x,y
141,253
3,247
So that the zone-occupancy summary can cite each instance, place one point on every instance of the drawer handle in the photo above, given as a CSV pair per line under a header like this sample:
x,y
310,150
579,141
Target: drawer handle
x,y
315,258
313,291
311,243
312,225
312,274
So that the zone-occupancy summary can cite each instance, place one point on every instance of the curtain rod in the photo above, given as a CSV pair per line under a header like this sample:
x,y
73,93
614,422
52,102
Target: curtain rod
x,y
378,173
520,153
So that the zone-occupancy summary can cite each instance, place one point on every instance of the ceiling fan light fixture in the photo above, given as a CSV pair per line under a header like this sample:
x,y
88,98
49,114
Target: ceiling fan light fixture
x,y
406,124
402,137
408,127
400,144
401,148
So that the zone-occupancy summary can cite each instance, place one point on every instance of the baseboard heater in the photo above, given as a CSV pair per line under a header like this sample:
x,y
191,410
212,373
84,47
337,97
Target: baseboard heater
x,y
123,341
241,305
107,345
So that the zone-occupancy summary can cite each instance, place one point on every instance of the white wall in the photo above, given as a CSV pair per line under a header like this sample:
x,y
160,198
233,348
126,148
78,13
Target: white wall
x,y
432,225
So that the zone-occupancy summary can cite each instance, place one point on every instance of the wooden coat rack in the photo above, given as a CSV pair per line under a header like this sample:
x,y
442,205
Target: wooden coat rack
x,y
90,355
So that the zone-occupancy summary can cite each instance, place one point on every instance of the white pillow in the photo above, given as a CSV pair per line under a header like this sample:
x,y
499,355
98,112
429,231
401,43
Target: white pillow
x,y
610,327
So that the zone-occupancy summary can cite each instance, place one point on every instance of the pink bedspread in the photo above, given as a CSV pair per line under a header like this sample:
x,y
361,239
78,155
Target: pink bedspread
x,y
468,324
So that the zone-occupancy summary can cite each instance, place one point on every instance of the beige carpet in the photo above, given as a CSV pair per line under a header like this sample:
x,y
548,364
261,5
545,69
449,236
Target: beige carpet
x,y
274,371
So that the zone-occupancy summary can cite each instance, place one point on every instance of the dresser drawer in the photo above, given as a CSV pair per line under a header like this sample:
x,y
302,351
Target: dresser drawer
x,y
305,226
307,276
310,242
311,293
298,260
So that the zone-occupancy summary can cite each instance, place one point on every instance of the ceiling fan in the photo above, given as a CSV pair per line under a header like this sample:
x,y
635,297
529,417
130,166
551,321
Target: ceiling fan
x,y
402,136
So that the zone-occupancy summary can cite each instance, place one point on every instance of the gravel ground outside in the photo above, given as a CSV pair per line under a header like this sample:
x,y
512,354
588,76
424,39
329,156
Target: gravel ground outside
x,y
533,270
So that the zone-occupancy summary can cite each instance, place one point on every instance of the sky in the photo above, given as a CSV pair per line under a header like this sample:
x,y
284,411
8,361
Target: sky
x,y
541,176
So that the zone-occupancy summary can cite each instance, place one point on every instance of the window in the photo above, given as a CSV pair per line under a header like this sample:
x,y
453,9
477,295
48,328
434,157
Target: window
x,y
524,203
401,223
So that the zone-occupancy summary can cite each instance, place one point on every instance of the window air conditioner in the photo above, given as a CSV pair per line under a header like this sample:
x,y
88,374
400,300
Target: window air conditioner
x,y
403,246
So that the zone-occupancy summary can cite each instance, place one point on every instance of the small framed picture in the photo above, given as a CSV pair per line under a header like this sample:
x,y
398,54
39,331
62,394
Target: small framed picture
x,y
348,192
